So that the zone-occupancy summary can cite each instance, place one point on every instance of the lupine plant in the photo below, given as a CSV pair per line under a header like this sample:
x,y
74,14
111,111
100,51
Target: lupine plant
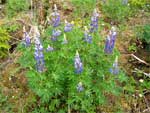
x,y
49,48
94,21
110,41
76,76
55,34
26,37
38,54
78,64
68,26
80,87
87,35
55,17
115,69
55,23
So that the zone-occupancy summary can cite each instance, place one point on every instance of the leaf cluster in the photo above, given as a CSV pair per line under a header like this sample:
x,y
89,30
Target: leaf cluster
x,y
4,45
13,7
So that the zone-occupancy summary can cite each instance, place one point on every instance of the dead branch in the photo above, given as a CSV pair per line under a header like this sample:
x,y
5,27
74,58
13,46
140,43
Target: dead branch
x,y
142,61
142,72
146,110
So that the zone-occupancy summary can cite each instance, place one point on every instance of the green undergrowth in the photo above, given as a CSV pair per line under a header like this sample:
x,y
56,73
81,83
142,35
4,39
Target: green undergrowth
x,y
56,87
4,45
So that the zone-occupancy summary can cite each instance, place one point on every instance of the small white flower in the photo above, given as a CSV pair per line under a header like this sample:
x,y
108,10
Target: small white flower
x,y
141,80
9,78
140,95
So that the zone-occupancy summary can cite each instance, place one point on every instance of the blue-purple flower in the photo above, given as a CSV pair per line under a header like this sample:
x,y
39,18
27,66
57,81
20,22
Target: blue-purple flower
x,y
94,21
110,41
107,45
49,48
55,34
55,17
87,36
39,57
68,26
80,87
78,64
27,39
115,69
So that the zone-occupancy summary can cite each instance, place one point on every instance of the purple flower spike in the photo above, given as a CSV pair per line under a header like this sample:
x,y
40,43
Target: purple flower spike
x,y
115,69
113,35
53,38
56,33
78,64
39,56
27,39
55,17
94,22
49,48
87,36
68,26
80,87
107,45
110,41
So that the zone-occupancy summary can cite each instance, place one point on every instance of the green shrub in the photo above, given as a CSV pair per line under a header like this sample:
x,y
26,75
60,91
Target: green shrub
x,y
143,33
13,7
5,106
116,10
57,86
138,3
83,7
4,46
146,33
12,27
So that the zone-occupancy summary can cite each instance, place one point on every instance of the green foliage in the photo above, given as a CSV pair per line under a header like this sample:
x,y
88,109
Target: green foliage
x,y
83,7
133,47
12,27
56,87
4,46
146,33
138,3
116,10
143,34
13,7
4,105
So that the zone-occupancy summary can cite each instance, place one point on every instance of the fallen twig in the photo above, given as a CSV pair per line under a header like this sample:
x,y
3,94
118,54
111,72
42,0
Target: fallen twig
x,y
142,61
16,39
146,110
142,72
148,107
